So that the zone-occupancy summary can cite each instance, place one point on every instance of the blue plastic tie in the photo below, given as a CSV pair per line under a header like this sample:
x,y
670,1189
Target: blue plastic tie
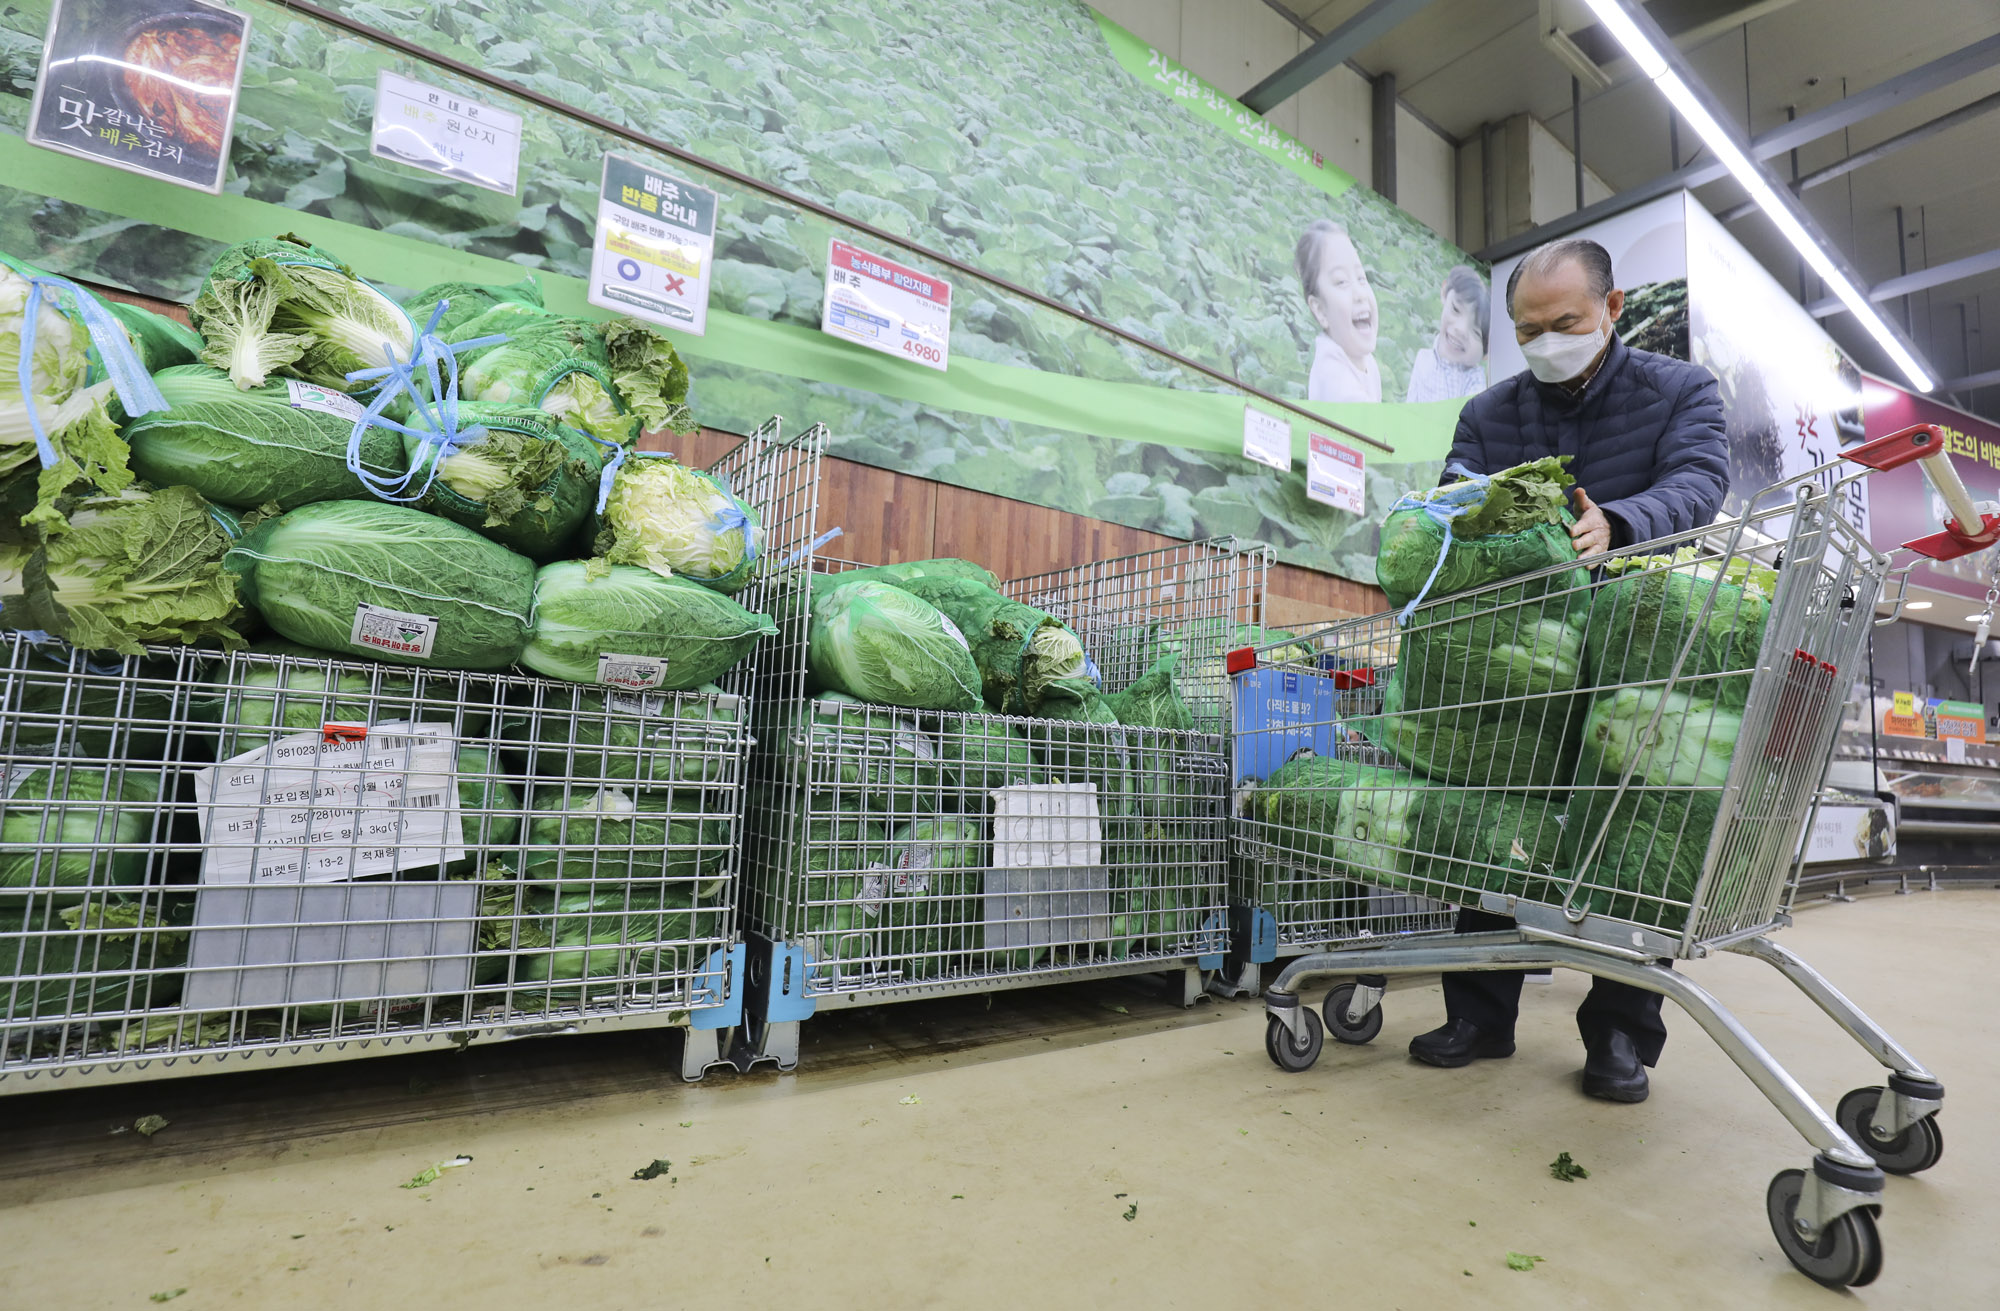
x,y
436,409
1442,507
135,387
610,474
810,547
1092,672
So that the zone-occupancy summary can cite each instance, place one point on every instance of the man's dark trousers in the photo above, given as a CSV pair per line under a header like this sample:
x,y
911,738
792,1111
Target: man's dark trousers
x,y
1491,999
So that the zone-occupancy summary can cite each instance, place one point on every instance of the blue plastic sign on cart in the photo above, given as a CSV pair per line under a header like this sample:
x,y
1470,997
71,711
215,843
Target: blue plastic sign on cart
x,y
1278,714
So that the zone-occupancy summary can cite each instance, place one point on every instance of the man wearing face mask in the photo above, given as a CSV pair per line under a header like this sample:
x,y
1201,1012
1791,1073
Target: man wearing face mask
x,y
1651,457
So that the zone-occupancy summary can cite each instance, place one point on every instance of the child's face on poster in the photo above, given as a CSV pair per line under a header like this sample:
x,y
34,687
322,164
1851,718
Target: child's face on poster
x,y
1458,333
1343,303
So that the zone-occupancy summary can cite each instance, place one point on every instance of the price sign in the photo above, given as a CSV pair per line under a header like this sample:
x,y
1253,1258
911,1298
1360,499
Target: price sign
x,y
886,306
1336,474
445,133
655,246
1267,439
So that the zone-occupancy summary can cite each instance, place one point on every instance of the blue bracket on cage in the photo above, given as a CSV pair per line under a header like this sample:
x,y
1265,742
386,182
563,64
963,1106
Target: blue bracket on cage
x,y
1254,932
718,990
784,995
1217,926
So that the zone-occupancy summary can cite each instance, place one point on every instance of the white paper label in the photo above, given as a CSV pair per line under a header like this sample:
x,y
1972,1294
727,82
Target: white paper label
x,y
1267,439
635,673
1335,474
654,247
306,396
885,306
443,132
874,891
394,631
1954,750
306,810
626,703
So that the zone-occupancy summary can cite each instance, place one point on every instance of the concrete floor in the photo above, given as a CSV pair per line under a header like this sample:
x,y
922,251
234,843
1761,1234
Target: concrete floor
x,y
1125,1153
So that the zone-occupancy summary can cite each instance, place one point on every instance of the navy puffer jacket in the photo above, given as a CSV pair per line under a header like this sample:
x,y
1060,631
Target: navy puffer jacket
x,y
1646,435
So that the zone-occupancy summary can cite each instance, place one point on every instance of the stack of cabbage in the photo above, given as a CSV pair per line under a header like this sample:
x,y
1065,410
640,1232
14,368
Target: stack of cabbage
x,y
451,484
1670,744
882,814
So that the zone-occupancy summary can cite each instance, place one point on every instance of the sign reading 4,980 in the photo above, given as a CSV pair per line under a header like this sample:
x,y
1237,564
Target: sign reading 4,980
x,y
887,306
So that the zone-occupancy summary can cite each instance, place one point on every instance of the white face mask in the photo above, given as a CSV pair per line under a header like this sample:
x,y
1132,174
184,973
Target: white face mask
x,y
1560,356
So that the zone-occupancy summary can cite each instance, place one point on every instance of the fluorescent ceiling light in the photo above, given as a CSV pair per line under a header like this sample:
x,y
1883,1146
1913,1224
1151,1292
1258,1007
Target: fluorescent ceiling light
x,y
1722,143
1917,605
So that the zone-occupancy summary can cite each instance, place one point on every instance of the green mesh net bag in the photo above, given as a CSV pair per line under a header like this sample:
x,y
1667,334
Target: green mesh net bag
x,y
836,744
469,300
1019,650
514,474
880,644
285,306
1654,606
556,364
1153,700
1478,531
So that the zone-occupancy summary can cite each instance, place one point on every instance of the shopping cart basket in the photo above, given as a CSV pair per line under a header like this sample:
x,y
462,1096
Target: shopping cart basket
x,y
1622,755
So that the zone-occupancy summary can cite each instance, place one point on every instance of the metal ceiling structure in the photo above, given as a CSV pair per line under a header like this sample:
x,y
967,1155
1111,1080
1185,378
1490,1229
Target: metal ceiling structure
x,y
1875,118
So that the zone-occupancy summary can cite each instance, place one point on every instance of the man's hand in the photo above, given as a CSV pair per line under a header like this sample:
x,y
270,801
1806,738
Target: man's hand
x,y
1591,532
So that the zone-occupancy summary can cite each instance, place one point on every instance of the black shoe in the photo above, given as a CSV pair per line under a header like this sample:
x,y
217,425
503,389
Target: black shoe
x,y
1613,1072
1458,1042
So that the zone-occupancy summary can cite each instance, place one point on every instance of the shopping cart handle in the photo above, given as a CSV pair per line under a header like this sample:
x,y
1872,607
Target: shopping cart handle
x,y
1241,660
1971,527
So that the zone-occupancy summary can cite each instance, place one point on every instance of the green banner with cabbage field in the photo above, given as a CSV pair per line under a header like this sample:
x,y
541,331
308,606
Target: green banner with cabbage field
x,y
1123,187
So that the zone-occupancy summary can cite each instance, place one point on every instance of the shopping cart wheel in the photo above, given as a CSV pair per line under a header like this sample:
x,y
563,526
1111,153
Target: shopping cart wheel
x,y
1912,1151
1335,1009
1287,1052
1846,1254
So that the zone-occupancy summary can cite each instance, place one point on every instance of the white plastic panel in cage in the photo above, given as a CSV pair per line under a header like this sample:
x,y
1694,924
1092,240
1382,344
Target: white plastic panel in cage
x,y
1049,885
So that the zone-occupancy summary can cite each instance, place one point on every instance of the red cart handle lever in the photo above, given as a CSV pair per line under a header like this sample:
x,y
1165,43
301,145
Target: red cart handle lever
x,y
1971,527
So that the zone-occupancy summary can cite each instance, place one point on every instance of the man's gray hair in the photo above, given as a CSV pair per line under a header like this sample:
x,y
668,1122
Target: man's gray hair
x,y
1595,259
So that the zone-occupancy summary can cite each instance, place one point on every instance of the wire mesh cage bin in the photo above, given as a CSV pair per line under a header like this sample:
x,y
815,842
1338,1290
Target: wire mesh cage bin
x,y
206,857
896,853
1623,755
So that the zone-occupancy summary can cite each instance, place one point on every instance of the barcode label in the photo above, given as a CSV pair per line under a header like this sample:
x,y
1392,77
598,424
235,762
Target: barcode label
x,y
425,801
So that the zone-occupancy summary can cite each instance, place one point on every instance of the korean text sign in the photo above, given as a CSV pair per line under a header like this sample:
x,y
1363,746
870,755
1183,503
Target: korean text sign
x,y
655,246
144,85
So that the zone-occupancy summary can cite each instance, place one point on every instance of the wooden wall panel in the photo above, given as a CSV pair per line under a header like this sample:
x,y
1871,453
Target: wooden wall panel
x,y
1015,539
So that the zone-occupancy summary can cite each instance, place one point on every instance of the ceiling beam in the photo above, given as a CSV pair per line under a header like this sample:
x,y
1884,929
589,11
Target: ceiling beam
x,y
1939,73
1880,150
1957,270
1374,22
1972,382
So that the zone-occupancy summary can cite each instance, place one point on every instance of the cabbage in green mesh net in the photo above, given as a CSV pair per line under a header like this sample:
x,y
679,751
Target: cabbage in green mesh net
x,y
528,482
1654,848
653,739
1019,649
832,865
582,838
1154,700
879,643
1517,527
866,754
469,300
1691,745
556,364
1390,828
1651,609
936,908
981,754
1486,700
1296,651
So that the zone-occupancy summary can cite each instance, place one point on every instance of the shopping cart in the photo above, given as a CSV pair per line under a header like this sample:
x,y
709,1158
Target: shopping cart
x,y
1648,815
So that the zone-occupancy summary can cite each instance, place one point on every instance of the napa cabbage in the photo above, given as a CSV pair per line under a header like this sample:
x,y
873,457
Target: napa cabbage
x,y
284,306
583,611
881,644
662,515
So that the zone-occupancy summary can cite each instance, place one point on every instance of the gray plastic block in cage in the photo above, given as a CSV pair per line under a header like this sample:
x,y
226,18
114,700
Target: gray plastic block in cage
x,y
1049,885
297,944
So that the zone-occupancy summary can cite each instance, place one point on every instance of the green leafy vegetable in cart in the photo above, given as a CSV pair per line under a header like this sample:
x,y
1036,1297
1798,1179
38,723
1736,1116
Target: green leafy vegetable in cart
x,y
584,839
648,375
65,829
546,361
469,300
